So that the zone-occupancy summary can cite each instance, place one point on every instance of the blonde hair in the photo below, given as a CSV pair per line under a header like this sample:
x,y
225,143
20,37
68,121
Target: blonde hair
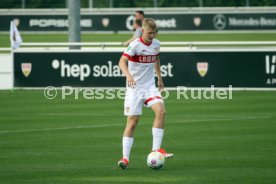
x,y
149,23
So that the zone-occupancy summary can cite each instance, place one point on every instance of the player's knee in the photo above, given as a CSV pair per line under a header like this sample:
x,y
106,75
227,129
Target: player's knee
x,y
133,119
131,126
160,113
132,122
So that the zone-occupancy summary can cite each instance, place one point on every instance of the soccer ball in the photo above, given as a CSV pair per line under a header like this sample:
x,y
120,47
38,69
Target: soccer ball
x,y
156,160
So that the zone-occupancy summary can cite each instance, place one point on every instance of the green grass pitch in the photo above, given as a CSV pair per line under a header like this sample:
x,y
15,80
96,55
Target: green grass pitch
x,y
79,141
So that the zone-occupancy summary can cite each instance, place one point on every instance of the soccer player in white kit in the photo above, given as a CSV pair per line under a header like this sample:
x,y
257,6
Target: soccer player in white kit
x,y
143,57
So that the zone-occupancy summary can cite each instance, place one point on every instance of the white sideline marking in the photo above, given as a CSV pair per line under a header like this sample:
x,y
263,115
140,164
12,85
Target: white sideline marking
x,y
61,128
121,124
75,114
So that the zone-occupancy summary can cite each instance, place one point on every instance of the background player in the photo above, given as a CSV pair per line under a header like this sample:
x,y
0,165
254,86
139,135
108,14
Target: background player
x,y
140,15
137,26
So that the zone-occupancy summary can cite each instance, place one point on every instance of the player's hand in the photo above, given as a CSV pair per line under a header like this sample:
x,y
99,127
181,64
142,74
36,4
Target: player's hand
x,y
160,85
131,82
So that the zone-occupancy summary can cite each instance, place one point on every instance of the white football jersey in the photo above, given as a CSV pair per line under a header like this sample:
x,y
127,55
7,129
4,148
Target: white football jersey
x,y
141,57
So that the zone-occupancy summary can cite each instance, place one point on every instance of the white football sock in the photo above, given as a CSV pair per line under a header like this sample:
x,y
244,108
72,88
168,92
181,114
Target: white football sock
x,y
157,135
127,144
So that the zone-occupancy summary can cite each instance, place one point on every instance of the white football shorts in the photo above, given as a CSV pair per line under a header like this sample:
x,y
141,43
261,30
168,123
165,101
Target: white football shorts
x,y
136,98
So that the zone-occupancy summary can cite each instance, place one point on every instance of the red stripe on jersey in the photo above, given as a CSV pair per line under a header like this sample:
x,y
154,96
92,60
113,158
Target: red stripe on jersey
x,y
152,98
142,59
128,56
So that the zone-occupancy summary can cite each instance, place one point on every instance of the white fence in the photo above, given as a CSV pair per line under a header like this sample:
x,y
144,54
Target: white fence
x,y
183,45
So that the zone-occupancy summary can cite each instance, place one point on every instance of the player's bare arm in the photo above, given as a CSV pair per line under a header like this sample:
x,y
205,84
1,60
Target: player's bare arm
x,y
123,66
158,74
128,41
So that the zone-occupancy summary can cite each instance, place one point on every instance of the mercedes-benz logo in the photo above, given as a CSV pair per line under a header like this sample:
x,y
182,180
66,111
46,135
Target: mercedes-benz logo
x,y
219,21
